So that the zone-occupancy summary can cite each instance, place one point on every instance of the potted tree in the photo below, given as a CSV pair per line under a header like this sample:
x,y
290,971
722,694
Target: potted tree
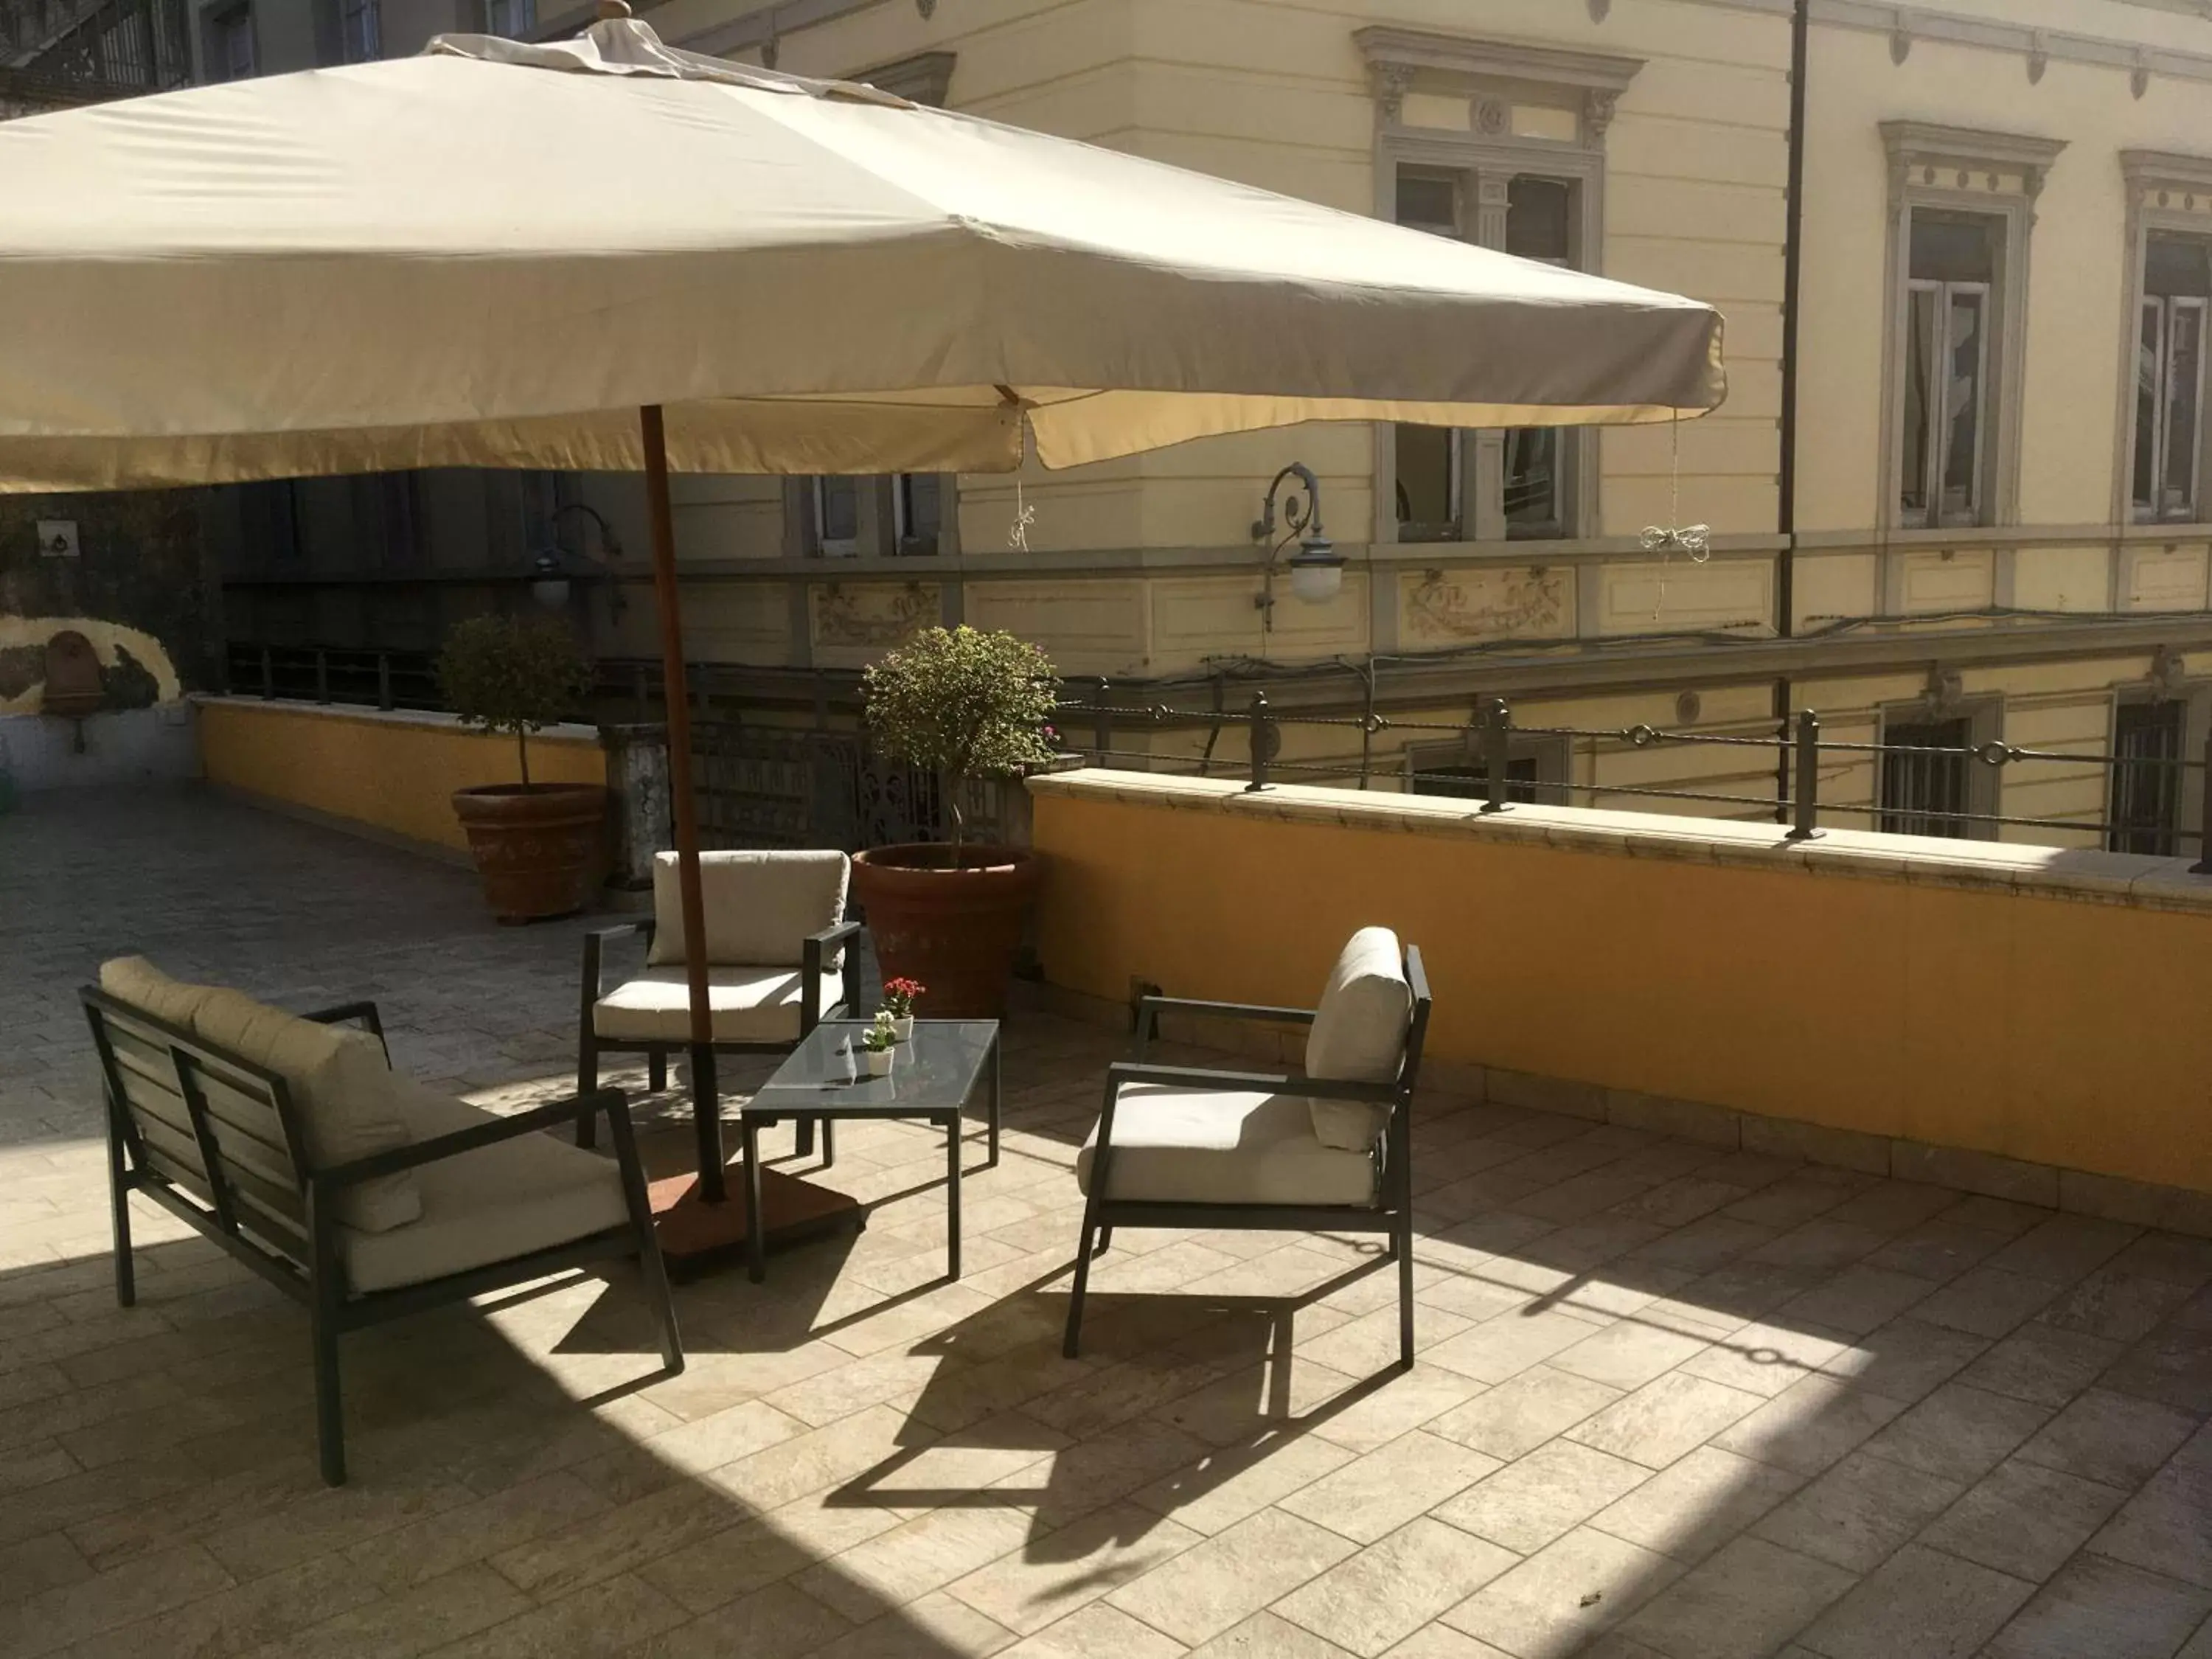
x,y
963,705
537,846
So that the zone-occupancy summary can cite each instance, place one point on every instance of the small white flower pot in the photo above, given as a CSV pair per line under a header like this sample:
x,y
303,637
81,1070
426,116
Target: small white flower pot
x,y
878,1061
904,1027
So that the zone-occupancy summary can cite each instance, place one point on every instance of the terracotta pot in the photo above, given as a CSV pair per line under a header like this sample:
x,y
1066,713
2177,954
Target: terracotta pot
x,y
540,847
955,930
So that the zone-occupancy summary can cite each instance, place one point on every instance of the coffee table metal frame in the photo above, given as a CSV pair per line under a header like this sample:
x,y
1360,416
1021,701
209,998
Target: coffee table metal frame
x,y
807,1088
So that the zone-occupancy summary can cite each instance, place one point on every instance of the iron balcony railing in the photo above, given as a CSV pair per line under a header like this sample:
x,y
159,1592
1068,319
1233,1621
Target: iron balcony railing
x,y
1486,742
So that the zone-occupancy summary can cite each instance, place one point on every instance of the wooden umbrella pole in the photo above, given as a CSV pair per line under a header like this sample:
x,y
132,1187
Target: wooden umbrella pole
x,y
706,1097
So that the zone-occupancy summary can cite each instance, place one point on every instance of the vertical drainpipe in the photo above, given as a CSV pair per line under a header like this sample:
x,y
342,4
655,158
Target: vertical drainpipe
x,y
1793,266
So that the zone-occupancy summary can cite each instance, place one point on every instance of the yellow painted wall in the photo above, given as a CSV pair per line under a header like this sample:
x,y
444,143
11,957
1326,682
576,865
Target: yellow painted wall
x,y
2056,1030
394,773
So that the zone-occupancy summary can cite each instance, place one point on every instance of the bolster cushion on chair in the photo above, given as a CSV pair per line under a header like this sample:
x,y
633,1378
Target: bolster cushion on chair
x,y
760,906
341,1087
1358,1035
746,1005
137,982
1178,1145
493,1204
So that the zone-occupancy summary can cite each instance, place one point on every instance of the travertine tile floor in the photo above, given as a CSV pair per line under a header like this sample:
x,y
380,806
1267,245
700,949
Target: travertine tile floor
x,y
1672,1401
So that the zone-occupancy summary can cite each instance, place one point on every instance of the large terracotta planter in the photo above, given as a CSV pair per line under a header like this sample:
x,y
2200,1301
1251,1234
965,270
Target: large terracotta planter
x,y
954,930
539,847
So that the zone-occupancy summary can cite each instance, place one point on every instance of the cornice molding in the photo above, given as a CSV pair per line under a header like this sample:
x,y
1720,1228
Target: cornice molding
x,y
1905,26
1399,59
2147,170
1925,143
922,78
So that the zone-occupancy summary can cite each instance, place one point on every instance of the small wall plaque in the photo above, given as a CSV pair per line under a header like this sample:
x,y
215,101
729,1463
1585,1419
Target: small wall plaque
x,y
58,538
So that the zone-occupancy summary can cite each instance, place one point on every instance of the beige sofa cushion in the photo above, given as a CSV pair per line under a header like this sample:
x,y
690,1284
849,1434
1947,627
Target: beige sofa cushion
x,y
761,906
341,1091
137,982
1173,1145
1358,1035
491,1205
748,1005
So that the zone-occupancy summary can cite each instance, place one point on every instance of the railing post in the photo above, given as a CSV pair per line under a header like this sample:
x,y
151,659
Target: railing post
x,y
1101,722
2203,865
1805,818
1262,733
1497,753
384,680
322,674
268,675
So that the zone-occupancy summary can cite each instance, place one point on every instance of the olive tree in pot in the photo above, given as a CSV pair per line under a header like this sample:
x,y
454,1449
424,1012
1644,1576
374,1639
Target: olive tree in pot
x,y
963,705
538,847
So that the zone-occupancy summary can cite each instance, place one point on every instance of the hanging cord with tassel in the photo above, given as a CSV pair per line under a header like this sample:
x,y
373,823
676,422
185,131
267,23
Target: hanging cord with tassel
x,y
1696,539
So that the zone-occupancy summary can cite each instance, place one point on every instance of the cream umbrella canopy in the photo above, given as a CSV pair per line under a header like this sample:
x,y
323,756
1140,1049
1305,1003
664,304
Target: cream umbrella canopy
x,y
606,254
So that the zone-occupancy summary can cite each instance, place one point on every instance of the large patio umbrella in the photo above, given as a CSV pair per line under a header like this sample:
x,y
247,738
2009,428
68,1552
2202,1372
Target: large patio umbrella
x,y
607,254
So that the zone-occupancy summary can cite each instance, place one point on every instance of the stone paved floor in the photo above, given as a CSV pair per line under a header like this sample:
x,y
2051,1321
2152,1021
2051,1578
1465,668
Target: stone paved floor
x,y
1671,1401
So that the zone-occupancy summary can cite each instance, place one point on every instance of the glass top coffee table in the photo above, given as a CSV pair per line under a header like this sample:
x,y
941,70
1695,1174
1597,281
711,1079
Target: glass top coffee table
x,y
825,1077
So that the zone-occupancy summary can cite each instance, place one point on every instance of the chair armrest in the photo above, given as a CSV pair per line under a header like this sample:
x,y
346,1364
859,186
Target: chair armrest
x,y
1197,1077
365,1012
477,1135
595,943
813,952
1228,1009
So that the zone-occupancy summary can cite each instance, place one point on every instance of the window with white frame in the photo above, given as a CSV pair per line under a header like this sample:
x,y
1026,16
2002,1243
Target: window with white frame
x,y
1950,307
835,530
360,30
1962,207
1929,781
230,55
1500,143
517,20
898,515
2168,474
2147,794
1444,490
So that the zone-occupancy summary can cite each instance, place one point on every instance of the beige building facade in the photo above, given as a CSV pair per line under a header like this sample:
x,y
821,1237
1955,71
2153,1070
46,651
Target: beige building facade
x,y
1999,527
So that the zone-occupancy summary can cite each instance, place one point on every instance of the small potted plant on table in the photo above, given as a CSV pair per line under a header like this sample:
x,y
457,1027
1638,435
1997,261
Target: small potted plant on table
x,y
963,705
899,995
880,1047
537,846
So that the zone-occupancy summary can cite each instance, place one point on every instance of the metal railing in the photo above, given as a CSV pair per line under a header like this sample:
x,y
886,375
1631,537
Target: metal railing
x,y
332,674
1486,744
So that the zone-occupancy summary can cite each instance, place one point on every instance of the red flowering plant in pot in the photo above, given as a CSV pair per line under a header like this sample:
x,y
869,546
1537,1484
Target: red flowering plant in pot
x,y
539,847
948,916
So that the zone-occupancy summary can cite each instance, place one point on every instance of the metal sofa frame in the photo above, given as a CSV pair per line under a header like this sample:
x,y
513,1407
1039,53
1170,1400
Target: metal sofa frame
x,y
216,1141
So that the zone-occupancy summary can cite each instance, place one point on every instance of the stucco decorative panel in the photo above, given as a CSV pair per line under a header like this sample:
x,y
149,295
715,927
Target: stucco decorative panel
x,y
1084,627
732,622
1449,607
1656,596
2062,578
2162,578
1937,580
855,623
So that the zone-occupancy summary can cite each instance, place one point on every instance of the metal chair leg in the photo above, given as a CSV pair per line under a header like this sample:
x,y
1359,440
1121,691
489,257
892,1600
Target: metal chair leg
x,y
587,1083
329,1415
1070,1345
1402,1241
1105,1241
118,1193
656,1069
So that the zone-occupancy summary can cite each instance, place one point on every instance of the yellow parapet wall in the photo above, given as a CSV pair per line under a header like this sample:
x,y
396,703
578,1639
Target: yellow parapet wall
x,y
2044,1005
391,773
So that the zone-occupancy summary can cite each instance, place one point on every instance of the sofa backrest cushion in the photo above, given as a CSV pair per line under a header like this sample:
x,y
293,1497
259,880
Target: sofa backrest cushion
x,y
137,982
341,1088
761,906
1358,1035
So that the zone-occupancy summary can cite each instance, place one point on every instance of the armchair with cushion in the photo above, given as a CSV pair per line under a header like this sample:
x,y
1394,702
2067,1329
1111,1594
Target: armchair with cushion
x,y
779,962
1327,1151
290,1142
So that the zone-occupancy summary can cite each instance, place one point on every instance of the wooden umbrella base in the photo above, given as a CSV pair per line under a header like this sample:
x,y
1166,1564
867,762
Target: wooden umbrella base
x,y
696,1236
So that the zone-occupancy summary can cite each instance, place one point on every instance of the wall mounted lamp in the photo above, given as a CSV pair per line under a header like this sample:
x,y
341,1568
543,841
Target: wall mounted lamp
x,y
550,582
1316,568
